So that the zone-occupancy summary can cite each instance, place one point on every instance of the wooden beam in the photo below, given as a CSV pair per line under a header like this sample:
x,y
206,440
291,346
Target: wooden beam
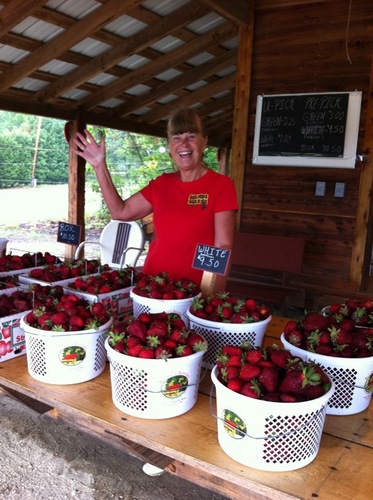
x,y
179,82
60,44
126,48
76,185
363,233
204,93
162,63
241,108
236,11
15,10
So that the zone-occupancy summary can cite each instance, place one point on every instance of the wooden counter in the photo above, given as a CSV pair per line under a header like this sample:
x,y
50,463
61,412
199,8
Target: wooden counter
x,y
189,445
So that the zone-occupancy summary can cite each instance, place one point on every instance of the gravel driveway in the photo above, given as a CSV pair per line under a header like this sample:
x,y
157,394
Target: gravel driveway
x,y
30,221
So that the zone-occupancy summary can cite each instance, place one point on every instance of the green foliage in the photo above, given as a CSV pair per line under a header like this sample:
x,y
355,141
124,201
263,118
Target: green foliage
x,y
23,158
133,159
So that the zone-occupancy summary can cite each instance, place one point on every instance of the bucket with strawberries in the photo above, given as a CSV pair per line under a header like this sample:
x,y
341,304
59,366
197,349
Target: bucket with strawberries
x,y
160,293
65,340
343,349
155,365
225,319
270,406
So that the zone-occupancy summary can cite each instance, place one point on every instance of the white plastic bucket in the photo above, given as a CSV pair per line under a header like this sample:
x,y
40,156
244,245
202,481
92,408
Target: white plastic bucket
x,y
154,388
64,358
353,378
219,334
265,435
148,305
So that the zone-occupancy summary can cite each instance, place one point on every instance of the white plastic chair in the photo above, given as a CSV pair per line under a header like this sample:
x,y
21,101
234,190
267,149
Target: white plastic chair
x,y
121,244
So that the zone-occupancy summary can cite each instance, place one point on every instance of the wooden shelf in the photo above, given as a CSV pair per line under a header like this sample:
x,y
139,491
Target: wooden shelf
x,y
188,446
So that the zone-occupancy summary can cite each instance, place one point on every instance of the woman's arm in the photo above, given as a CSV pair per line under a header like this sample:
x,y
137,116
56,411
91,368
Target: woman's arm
x,y
224,229
136,206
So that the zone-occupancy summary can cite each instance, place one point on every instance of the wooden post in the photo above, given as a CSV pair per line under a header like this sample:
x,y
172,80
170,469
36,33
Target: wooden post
x,y
359,269
241,107
76,213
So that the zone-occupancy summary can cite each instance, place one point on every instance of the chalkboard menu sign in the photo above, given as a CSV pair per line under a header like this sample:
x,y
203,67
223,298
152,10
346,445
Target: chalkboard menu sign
x,y
69,233
307,129
211,259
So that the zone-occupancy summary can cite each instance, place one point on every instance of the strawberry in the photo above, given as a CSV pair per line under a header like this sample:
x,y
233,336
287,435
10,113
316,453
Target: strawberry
x,y
269,378
134,350
290,326
251,389
145,317
249,372
162,352
235,384
225,311
253,356
250,304
146,353
230,372
314,321
294,337
137,329
280,357
183,350
297,378
196,342
231,350
77,322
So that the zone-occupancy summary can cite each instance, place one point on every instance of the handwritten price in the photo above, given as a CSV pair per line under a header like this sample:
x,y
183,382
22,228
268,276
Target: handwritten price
x,y
211,259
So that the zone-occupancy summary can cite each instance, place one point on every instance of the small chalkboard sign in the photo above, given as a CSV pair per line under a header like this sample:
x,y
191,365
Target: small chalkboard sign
x,y
211,259
69,233
307,129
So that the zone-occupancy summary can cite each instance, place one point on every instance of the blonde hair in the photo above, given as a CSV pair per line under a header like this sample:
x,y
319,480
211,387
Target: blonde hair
x,y
185,120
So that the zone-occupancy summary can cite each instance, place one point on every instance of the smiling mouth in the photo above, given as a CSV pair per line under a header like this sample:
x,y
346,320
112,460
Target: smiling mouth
x,y
185,154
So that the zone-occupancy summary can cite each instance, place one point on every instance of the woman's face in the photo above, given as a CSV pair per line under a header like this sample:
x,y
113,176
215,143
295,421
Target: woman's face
x,y
187,149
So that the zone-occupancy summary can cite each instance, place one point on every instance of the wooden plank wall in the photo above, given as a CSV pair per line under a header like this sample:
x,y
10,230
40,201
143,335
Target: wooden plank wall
x,y
301,49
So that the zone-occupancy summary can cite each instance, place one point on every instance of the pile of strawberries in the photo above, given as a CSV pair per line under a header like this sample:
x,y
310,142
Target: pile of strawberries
x,y
25,299
359,311
270,374
330,335
224,307
27,260
68,314
156,336
162,286
105,282
8,282
66,270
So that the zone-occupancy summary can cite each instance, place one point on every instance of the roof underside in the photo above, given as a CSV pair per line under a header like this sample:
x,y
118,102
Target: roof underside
x,y
121,63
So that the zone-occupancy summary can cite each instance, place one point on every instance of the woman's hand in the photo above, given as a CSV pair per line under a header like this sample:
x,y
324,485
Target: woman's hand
x,y
94,153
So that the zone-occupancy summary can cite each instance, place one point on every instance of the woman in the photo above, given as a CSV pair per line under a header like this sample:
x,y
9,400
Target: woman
x,y
191,205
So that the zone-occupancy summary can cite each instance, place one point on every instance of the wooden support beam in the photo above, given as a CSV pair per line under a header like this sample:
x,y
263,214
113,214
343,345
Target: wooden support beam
x,y
11,13
76,184
359,268
241,107
60,44
236,11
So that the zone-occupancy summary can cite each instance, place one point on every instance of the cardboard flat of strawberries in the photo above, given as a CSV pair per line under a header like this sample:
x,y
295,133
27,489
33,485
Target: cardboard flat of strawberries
x,y
12,337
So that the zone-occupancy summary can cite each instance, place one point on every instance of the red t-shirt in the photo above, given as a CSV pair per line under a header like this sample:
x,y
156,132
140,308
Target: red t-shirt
x,y
183,215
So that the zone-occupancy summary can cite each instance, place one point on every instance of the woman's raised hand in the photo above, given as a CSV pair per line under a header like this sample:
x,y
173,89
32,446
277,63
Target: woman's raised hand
x,y
86,147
